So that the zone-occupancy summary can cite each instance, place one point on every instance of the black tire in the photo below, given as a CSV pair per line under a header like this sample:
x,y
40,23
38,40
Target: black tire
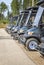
x,y
15,38
9,32
19,40
42,54
30,40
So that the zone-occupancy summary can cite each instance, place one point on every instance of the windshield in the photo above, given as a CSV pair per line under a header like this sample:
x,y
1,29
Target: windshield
x,y
28,18
18,20
23,19
38,16
31,17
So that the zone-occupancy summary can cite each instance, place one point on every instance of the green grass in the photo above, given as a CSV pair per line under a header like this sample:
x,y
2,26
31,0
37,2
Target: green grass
x,y
3,23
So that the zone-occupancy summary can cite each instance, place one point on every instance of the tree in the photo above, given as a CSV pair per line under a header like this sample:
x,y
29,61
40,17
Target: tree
x,y
3,7
15,6
21,4
33,2
0,8
30,2
18,5
26,4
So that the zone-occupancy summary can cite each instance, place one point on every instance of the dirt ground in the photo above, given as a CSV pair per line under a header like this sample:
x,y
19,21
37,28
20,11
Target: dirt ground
x,y
11,53
35,56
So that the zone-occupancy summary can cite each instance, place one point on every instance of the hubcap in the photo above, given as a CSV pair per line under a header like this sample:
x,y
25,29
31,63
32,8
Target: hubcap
x,y
32,45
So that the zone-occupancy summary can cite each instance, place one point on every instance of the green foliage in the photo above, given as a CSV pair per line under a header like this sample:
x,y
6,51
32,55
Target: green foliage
x,y
30,2
1,16
35,1
14,22
4,21
3,6
15,7
25,4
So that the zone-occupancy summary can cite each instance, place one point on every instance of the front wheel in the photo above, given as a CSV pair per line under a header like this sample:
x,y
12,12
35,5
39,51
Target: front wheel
x,y
32,43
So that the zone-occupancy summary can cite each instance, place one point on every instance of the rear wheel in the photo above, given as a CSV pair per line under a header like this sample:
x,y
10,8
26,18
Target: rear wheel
x,y
32,43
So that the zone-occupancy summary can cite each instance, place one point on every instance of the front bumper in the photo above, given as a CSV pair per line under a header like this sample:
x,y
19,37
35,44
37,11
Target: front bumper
x,y
15,35
21,38
9,31
12,33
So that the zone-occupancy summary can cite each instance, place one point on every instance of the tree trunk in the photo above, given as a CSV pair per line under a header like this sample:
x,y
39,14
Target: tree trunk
x,y
32,2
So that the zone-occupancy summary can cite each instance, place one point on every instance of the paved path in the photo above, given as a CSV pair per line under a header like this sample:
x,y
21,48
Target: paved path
x,y
11,53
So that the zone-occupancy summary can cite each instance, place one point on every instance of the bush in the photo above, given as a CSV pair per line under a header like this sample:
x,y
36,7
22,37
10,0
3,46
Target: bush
x,y
4,21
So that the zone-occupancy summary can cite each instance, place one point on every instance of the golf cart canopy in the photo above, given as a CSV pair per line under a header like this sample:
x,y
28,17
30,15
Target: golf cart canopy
x,y
30,8
38,16
25,11
34,9
41,2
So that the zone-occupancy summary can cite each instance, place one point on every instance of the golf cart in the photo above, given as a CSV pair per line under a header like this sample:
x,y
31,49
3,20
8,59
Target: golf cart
x,y
18,21
28,23
11,25
40,47
21,24
32,37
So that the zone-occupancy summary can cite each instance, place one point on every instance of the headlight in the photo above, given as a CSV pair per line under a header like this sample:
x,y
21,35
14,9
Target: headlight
x,y
21,31
15,30
30,33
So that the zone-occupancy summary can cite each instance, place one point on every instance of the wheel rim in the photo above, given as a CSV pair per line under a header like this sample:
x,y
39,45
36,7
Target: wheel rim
x,y
32,45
